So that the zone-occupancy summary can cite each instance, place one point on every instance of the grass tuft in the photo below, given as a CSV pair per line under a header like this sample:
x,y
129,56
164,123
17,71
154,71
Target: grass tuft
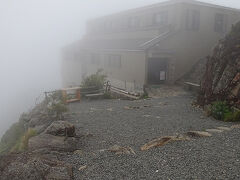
x,y
22,143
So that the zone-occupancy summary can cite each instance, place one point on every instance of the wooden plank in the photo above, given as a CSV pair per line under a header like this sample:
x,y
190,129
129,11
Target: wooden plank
x,y
73,88
126,95
72,100
192,84
92,92
94,95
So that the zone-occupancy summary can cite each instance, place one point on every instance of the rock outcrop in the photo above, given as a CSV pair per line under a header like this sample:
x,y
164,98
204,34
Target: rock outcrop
x,y
61,128
29,166
221,79
59,136
39,162
50,142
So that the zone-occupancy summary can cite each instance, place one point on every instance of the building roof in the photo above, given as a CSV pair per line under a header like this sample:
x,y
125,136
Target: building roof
x,y
170,2
138,43
112,44
122,44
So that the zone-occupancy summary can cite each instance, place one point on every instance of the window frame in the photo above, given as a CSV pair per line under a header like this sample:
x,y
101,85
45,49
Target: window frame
x,y
163,16
114,61
95,58
223,27
193,20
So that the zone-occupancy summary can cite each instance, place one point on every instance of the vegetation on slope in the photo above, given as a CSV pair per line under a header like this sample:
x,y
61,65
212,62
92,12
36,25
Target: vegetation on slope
x,y
11,137
95,80
16,137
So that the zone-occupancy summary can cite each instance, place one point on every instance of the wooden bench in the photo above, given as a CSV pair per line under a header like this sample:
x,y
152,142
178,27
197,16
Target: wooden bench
x,y
77,94
94,95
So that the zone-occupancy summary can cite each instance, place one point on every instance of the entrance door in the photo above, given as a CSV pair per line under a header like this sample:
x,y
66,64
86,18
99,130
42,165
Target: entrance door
x,y
157,70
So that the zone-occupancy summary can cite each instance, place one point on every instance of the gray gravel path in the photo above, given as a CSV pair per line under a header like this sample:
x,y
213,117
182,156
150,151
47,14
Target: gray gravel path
x,y
105,123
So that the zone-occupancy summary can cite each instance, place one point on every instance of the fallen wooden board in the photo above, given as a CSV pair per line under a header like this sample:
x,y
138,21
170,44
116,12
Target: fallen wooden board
x,y
192,84
162,141
224,128
198,134
124,94
214,130
72,100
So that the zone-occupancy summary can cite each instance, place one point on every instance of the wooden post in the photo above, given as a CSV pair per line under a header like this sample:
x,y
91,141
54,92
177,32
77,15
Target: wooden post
x,y
64,96
78,94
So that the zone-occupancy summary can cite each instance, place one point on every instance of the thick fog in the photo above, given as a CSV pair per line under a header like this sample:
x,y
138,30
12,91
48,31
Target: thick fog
x,y
32,33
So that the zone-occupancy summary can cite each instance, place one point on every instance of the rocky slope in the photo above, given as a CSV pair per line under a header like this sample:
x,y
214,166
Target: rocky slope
x,y
195,75
221,80
39,159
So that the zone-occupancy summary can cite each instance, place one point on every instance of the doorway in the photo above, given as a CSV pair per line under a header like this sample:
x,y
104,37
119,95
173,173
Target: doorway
x,y
157,70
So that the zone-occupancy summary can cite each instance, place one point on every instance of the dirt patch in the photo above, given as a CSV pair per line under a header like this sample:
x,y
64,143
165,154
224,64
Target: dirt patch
x,y
198,134
121,150
163,91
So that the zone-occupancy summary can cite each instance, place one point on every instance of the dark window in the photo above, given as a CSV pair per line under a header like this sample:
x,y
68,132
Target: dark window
x,y
136,21
193,20
124,23
133,22
110,25
130,22
220,23
160,18
102,26
148,20
95,59
107,25
114,61
115,24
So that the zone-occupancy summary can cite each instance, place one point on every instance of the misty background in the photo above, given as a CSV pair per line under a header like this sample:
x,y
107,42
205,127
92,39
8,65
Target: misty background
x,y
32,33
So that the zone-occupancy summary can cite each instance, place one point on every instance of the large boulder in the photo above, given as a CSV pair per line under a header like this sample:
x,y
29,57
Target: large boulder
x,y
59,136
39,123
61,128
39,120
51,142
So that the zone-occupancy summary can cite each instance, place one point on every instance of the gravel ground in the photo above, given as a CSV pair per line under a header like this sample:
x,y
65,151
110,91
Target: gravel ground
x,y
104,123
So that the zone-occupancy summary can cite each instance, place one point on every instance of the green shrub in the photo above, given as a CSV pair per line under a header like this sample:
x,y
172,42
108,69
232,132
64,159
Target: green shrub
x,y
220,110
228,117
107,95
11,137
144,96
57,109
95,80
236,116
56,105
55,97
22,143
232,116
